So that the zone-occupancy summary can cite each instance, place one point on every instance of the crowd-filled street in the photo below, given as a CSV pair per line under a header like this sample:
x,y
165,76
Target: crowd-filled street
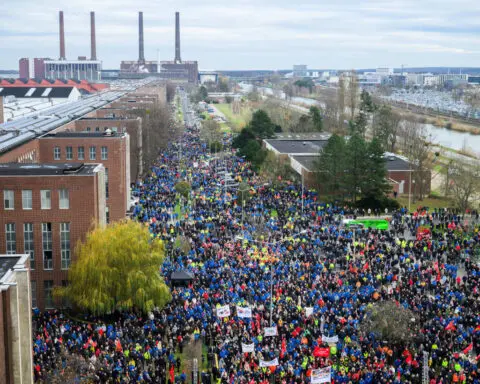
x,y
281,286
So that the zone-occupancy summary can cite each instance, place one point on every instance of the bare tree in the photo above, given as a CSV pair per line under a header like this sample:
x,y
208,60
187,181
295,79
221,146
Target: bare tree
x,y
341,102
390,322
352,98
158,127
472,98
75,369
210,131
386,125
415,142
464,183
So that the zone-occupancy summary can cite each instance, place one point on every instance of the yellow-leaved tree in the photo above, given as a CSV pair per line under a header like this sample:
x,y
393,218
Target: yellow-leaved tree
x,y
117,268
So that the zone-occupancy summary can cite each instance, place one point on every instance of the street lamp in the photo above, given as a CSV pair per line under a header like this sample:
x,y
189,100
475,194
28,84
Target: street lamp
x,y
271,266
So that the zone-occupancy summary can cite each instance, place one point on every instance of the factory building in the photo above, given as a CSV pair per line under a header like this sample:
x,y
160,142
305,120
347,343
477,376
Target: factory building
x,y
44,213
80,69
176,70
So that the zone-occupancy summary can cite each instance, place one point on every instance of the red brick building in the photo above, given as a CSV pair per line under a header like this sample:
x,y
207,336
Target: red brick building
x,y
46,209
132,126
110,149
16,364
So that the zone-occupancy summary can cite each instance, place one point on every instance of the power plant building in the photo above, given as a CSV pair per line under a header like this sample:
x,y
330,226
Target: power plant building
x,y
176,70
80,69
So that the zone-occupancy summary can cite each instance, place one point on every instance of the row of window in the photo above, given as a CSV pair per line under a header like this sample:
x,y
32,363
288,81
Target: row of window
x,y
57,153
47,292
47,247
27,200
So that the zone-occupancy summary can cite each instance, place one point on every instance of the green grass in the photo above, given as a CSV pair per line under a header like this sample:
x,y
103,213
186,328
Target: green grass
x,y
432,201
238,121
225,128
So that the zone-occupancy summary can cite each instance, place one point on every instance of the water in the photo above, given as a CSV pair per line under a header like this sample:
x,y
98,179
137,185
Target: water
x,y
442,136
454,139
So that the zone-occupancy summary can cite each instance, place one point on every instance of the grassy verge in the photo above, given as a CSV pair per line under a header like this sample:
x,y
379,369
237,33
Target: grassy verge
x,y
237,121
432,201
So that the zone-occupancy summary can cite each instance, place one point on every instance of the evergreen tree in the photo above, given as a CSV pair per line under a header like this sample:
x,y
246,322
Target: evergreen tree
x,y
331,166
367,107
261,125
355,165
316,118
375,185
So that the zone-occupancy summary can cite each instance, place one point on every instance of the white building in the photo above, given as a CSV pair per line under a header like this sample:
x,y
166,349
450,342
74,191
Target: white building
x,y
384,71
73,69
430,80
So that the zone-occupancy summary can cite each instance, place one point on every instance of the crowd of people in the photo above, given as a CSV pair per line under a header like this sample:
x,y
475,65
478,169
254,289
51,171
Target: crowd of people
x,y
283,278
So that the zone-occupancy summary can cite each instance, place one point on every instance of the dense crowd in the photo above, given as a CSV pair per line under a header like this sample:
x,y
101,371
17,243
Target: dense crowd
x,y
321,277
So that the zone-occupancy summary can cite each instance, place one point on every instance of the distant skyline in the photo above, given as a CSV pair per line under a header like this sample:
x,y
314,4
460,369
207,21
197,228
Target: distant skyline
x,y
247,34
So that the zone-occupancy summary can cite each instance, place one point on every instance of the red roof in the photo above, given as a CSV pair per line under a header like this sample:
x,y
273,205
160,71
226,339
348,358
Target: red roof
x,y
80,84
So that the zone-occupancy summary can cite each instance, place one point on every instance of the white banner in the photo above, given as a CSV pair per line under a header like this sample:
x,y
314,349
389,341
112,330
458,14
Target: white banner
x,y
223,311
271,331
333,339
272,363
322,375
309,311
246,348
244,312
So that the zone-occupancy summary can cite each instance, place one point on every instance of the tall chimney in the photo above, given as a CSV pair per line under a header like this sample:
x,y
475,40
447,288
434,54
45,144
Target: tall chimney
x,y
62,37
93,40
141,55
178,59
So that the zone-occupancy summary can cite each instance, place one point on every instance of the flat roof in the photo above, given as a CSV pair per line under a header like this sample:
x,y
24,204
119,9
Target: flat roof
x,y
108,118
7,263
82,134
392,162
395,163
307,162
297,146
47,169
303,136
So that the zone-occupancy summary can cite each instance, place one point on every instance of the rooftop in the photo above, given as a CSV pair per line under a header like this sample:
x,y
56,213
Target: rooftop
x,y
82,135
297,146
303,136
396,163
45,169
307,162
37,92
7,263
392,162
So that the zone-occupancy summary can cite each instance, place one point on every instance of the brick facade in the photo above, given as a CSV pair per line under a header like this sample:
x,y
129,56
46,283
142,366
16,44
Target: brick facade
x,y
1,110
116,164
86,195
132,126
25,153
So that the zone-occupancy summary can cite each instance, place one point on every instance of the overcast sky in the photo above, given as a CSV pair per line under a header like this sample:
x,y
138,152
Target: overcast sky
x,y
252,34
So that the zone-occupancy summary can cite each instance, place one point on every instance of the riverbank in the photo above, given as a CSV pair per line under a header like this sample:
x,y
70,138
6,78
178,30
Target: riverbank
x,y
438,121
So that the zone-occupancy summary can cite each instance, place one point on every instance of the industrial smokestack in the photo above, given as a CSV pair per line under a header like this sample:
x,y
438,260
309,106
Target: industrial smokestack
x,y
93,41
141,55
62,37
178,59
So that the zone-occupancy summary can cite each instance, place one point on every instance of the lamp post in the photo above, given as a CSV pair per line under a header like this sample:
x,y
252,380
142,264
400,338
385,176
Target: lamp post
x,y
271,266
